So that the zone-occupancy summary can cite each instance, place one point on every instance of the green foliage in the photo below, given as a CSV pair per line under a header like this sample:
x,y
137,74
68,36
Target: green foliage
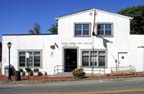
x,y
137,23
28,70
35,30
36,70
20,70
133,11
54,29
78,73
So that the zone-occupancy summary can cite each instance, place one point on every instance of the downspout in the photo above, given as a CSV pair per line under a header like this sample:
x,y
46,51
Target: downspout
x,y
93,34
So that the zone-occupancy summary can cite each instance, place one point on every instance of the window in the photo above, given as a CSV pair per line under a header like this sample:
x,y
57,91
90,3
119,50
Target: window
x,y
29,58
96,58
82,29
22,59
85,58
104,29
36,59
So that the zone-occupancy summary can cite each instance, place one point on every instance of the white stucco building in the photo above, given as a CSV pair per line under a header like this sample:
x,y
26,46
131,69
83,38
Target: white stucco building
x,y
75,46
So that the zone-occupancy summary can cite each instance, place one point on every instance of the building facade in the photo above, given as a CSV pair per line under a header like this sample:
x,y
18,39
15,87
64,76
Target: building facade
x,y
92,39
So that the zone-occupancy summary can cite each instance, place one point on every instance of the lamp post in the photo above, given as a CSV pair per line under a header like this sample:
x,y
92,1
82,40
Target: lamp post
x,y
9,44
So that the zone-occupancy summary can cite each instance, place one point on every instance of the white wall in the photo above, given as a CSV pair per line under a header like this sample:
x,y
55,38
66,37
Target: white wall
x,y
32,42
119,42
136,54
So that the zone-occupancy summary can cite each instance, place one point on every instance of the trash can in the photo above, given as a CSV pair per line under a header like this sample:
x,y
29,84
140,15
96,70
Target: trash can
x,y
17,76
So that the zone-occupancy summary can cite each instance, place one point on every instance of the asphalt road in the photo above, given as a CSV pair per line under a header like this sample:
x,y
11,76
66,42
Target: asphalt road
x,y
118,86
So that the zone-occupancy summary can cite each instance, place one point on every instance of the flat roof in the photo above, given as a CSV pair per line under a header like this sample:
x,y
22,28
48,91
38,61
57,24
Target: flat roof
x,y
26,34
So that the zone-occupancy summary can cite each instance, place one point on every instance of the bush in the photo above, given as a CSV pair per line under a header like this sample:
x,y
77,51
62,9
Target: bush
x,y
31,73
20,70
78,73
36,70
40,74
28,70
45,73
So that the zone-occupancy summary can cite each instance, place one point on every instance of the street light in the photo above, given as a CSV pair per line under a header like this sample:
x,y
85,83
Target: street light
x,y
9,44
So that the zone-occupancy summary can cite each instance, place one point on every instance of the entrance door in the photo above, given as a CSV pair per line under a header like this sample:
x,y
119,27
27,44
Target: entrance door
x,y
122,57
70,59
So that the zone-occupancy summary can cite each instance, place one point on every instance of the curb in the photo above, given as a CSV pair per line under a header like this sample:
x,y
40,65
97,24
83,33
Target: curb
x,y
26,82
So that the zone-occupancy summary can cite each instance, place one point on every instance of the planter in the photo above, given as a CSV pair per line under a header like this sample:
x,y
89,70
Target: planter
x,y
35,73
22,73
26,74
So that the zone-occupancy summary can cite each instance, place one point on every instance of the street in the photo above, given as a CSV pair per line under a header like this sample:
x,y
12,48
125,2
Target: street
x,y
115,86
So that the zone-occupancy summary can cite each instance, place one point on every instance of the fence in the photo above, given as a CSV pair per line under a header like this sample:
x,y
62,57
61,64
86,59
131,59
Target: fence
x,y
123,70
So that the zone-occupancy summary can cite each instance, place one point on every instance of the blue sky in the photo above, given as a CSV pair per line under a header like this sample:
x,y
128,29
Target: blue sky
x,y
18,16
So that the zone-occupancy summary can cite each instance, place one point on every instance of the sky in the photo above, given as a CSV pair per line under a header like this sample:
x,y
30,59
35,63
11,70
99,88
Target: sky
x,y
19,16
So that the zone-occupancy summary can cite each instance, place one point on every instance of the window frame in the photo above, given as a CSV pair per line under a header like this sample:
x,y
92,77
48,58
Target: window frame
x,y
112,29
33,51
90,50
82,30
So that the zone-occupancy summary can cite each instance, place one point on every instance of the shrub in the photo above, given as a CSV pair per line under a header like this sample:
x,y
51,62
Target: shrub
x,y
40,74
31,73
20,70
45,73
36,70
28,70
78,73
22,73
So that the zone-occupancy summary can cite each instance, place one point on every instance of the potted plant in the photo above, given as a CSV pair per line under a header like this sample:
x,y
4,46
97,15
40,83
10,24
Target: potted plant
x,y
40,73
28,70
22,73
45,73
36,71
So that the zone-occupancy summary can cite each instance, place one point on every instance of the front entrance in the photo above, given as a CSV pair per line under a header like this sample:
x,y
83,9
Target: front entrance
x,y
122,58
70,59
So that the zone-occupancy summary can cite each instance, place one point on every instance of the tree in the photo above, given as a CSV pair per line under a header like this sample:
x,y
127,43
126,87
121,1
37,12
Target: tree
x,y
137,23
35,30
54,29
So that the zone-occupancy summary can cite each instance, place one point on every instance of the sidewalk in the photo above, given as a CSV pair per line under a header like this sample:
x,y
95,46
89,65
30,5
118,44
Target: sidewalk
x,y
44,79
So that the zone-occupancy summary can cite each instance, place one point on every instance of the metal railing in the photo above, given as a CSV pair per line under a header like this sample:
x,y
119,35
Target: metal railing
x,y
95,70
91,70
58,69
123,69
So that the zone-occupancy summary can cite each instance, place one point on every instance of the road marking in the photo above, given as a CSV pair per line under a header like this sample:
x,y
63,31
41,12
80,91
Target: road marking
x,y
97,92
115,91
